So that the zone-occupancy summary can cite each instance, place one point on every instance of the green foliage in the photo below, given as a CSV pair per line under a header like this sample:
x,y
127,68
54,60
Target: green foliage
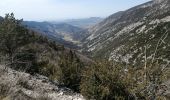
x,y
26,60
152,79
50,70
27,51
12,34
103,81
71,68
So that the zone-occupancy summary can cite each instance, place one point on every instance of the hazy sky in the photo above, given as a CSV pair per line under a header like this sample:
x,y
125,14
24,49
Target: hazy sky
x,y
39,10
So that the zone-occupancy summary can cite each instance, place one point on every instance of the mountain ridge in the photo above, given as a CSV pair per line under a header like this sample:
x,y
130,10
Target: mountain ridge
x,y
63,33
84,23
109,39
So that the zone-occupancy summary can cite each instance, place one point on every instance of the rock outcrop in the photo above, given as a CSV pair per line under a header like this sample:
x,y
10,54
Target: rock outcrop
x,y
15,85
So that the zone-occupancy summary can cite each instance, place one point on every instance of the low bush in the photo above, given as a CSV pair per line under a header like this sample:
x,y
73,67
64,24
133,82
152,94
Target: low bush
x,y
71,69
103,81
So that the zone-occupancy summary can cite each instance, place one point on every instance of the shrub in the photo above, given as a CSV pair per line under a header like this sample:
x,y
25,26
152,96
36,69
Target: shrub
x,y
4,90
103,81
71,69
26,60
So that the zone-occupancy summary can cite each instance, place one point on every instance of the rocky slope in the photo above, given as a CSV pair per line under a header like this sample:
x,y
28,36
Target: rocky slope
x,y
17,85
126,35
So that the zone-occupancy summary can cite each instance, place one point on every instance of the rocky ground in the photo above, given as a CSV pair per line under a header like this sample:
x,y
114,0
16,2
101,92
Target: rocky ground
x,y
16,85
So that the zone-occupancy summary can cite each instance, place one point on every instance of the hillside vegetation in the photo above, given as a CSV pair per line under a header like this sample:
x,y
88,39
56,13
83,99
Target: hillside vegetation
x,y
25,52
124,36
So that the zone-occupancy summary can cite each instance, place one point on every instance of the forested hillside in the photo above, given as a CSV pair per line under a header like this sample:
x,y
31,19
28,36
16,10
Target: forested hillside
x,y
27,51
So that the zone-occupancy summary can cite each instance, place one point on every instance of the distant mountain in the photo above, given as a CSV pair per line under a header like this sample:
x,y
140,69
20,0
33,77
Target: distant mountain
x,y
82,23
125,35
63,33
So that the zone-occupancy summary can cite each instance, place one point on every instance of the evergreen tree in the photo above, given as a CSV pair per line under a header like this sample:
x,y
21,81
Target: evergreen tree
x,y
12,36
71,68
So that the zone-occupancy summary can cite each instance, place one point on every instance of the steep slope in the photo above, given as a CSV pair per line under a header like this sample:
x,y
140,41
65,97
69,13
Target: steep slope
x,y
23,86
25,51
125,35
66,34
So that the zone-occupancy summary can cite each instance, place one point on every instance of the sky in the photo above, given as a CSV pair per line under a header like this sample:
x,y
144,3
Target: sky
x,y
50,10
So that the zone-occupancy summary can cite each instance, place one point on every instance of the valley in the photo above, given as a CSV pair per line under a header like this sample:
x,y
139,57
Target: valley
x,y
125,56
